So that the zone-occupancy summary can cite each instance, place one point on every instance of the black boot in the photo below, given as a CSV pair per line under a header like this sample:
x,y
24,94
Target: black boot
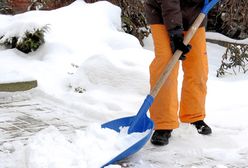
x,y
161,137
202,127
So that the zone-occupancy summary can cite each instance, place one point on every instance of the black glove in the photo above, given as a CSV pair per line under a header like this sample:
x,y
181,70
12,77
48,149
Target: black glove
x,y
176,41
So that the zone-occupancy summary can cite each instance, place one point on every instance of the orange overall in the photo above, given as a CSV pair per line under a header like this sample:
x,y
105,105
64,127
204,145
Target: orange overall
x,y
164,110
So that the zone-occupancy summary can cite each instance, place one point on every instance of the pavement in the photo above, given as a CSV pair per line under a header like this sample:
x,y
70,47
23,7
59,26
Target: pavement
x,y
23,114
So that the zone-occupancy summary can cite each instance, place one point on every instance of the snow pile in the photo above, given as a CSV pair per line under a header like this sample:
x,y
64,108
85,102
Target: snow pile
x,y
112,71
85,52
74,37
91,148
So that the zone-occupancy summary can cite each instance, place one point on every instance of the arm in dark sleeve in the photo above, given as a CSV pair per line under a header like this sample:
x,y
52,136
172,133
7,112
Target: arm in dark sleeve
x,y
171,13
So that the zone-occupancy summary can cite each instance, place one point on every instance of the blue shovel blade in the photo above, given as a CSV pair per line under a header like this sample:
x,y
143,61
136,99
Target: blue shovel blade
x,y
147,124
139,123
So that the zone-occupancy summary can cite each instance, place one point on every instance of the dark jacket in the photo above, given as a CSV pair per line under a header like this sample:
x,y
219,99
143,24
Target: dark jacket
x,y
173,13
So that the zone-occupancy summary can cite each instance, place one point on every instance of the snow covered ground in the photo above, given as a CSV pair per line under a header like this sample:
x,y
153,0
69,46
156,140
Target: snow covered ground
x,y
91,65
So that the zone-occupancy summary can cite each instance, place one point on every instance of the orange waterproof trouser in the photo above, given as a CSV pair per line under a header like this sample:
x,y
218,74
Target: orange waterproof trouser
x,y
164,110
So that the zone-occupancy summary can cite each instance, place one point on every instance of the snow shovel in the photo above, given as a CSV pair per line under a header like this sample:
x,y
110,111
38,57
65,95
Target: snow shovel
x,y
141,122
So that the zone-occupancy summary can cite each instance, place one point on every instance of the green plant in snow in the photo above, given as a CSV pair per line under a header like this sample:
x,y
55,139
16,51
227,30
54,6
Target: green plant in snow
x,y
234,59
29,42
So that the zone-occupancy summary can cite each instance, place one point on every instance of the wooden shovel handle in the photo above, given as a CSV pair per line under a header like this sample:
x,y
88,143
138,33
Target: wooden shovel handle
x,y
163,77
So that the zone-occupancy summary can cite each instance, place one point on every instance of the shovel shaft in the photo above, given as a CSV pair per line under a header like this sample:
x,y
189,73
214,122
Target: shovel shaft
x,y
138,123
167,70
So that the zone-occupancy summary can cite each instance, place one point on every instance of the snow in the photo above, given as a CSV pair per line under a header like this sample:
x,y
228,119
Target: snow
x,y
89,63
213,35
50,148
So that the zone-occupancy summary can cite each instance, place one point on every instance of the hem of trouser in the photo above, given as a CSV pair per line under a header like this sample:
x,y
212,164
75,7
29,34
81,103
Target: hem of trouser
x,y
192,120
167,127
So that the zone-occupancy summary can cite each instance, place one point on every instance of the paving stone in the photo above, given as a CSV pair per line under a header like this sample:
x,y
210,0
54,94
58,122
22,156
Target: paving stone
x,y
23,114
